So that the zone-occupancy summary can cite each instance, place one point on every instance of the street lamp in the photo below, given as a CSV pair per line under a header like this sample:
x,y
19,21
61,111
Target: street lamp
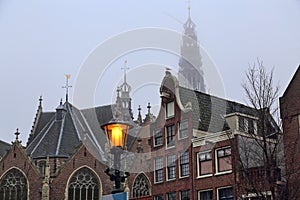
x,y
117,132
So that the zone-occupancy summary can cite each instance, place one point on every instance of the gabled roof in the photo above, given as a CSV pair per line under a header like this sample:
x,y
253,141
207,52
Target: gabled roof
x,y
293,81
4,147
60,137
209,111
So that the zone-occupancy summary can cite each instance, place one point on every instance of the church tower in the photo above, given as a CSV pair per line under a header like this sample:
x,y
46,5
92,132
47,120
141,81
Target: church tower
x,y
190,72
123,102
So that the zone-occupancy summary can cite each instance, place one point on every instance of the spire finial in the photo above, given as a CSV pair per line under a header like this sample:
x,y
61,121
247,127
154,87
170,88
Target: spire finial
x,y
17,133
125,68
40,100
67,86
149,109
189,7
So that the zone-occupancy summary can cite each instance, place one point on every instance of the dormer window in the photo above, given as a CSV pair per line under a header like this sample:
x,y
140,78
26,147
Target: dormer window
x,y
170,109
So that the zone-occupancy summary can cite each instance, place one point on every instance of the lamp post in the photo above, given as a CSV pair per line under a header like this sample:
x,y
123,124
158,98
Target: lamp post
x,y
117,132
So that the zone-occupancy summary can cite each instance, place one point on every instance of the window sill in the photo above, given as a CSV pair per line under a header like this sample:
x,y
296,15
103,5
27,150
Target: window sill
x,y
158,182
222,173
171,147
169,180
182,177
205,176
182,138
158,145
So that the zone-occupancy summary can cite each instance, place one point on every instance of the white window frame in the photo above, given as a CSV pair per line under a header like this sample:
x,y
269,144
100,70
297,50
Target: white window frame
x,y
166,136
198,164
154,133
220,188
205,191
179,129
155,181
217,163
179,164
170,109
167,173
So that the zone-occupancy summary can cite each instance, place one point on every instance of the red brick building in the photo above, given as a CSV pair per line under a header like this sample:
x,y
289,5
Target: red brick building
x,y
290,115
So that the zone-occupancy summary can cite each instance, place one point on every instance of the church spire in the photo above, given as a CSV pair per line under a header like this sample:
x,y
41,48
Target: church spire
x,y
123,98
190,73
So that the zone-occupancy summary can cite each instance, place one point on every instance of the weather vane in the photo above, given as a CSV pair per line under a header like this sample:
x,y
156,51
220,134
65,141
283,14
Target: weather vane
x,y
67,86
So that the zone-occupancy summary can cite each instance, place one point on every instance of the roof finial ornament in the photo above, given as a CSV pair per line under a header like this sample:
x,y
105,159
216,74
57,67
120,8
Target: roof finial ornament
x,y
67,86
125,68
40,100
149,108
17,133
189,7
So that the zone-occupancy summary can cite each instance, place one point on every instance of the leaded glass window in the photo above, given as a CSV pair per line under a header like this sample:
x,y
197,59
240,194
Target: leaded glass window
x,y
141,186
13,186
83,185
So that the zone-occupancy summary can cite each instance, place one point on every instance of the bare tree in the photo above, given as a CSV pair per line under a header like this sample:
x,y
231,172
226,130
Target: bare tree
x,y
261,148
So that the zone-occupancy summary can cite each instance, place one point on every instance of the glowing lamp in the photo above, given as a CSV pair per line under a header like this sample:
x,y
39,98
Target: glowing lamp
x,y
116,132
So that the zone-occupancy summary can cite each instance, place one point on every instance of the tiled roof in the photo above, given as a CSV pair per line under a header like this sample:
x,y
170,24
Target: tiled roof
x,y
209,111
56,137
4,147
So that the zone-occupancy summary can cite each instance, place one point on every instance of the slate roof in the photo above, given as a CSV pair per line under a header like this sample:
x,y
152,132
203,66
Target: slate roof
x,y
4,147
56,137
209,111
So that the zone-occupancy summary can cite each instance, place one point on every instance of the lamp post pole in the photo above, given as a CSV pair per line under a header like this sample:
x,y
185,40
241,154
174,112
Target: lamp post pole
x,y
117,131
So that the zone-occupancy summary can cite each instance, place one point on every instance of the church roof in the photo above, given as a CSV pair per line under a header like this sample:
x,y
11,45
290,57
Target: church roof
x,y
4,147
56,136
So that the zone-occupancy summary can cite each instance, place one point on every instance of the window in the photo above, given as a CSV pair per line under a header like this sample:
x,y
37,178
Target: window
x,y
170,136
170,109
158,169
83,185
157,137
185,195
13,185
171,167
42,167
184,164
158,197
205,163
183,129
141,186
171,196
206,195
225,194
242,125
224,159
250,126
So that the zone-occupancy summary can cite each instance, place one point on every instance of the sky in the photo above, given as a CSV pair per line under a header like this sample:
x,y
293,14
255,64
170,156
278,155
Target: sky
x,y
41,41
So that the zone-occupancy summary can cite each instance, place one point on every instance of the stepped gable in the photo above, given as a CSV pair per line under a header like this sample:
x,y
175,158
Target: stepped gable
x,y
60,133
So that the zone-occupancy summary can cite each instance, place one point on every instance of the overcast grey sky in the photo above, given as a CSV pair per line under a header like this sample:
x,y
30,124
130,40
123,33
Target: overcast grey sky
x,y
41,41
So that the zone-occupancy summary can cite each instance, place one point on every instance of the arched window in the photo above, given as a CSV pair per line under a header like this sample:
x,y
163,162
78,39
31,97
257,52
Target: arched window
x,y
141,186
13,186
83,185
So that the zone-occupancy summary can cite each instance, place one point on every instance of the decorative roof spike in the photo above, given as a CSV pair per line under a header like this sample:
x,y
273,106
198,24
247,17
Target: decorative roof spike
x,y
40,101
17,133
67,86
139,119
149,108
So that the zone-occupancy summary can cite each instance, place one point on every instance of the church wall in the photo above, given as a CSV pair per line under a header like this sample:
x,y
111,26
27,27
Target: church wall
x,y
16,158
